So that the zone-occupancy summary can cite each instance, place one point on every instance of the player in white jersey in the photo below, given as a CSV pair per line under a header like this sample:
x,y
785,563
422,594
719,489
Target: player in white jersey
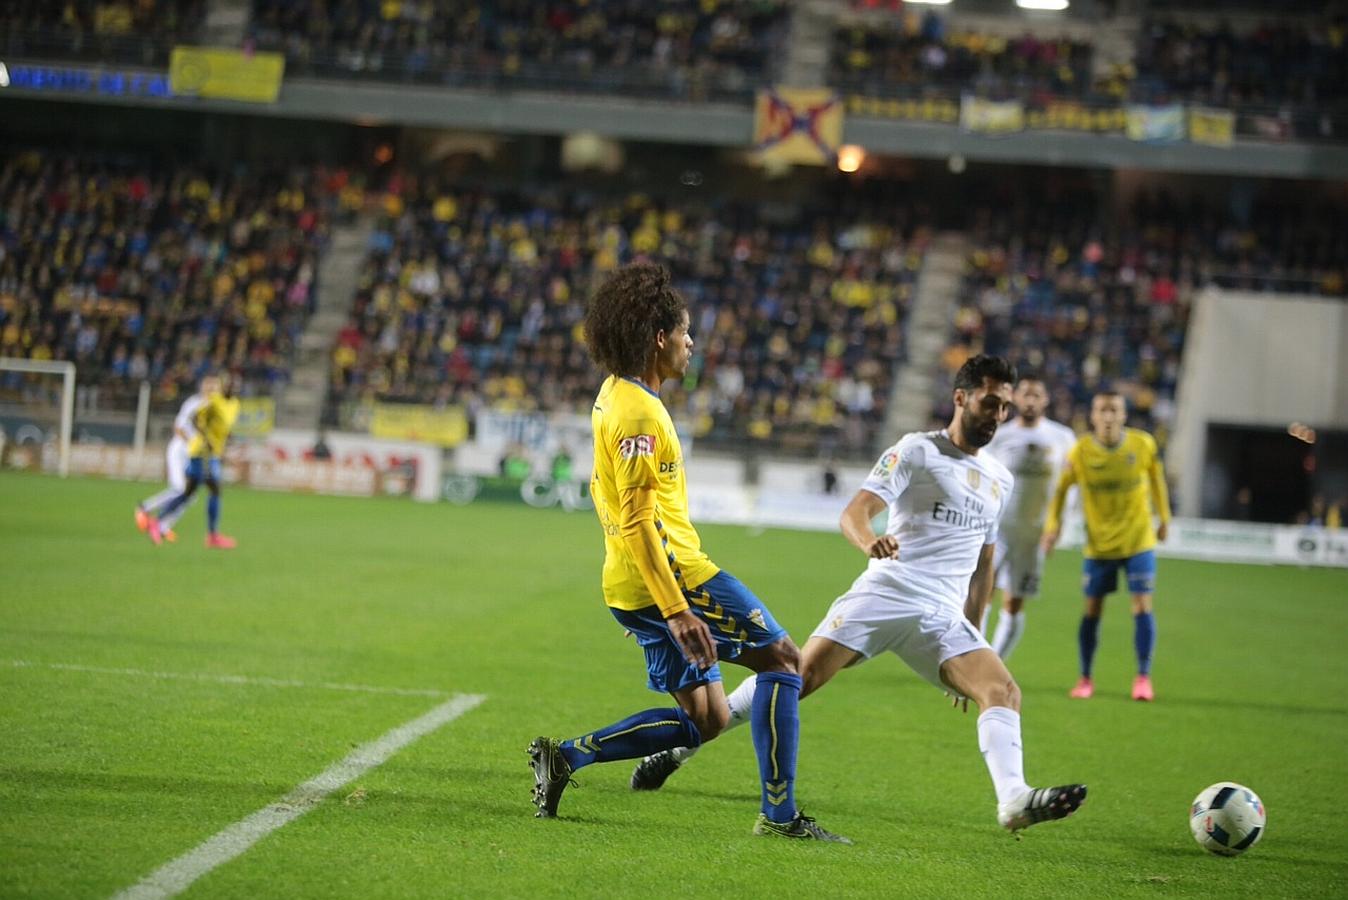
x,y
925,588
177,457
1034,448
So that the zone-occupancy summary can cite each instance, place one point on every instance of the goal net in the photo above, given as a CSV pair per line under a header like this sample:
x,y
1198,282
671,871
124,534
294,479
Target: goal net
x,y
37,410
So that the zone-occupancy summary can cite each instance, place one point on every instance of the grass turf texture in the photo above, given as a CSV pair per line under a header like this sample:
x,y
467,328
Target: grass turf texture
x,y
107,777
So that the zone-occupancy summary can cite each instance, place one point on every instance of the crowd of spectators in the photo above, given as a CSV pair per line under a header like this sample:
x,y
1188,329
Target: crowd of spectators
x,y
1288,63
133,31
1277,63
912,53
137,272
476,298
681,48
1094,297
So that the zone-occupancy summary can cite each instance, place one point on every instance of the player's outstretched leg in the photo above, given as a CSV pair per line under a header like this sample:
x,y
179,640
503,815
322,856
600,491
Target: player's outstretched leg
x,y
647,732
982,676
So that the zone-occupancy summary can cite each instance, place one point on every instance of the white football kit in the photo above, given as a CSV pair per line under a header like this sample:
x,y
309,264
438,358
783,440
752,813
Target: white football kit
x,y
944,506
1035,456
177,456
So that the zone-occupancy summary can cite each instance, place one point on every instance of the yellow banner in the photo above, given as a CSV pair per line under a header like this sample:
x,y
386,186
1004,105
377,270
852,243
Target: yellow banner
x,y
991,116
447,427
257,417
222,74
1215,127
794,125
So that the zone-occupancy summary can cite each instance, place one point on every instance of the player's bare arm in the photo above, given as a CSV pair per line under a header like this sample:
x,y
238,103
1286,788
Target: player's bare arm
x,y
980,586
856,527
643,540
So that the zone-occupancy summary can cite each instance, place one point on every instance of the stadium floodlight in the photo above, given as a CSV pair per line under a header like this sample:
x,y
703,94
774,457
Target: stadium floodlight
x,y
1042,5
67,372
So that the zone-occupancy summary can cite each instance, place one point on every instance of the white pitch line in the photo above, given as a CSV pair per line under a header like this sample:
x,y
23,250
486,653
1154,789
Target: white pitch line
x,y
258,680
177,875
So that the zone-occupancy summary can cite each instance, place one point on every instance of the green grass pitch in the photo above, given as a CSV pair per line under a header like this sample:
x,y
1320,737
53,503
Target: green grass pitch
x,y
105,777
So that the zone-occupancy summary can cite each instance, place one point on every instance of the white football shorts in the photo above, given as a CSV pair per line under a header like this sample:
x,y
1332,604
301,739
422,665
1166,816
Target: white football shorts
x,y
176,458
881,613
1019,563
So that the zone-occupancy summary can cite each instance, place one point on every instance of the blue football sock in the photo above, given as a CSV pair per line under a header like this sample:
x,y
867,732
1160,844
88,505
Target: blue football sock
x,y
639,735
775,722
1087,636
1144,639
173,504
213,513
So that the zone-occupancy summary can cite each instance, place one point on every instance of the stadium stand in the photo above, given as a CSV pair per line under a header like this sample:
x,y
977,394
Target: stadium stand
x,y
908,54
140,32
1090,299
138,272
682,49
476,297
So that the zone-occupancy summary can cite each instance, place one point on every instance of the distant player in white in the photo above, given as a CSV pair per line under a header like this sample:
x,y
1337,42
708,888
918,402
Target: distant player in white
x,y
926,586
177,456
1034,448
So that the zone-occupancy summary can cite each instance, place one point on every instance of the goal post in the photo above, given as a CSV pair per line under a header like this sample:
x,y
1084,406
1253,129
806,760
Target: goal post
x,y
67,372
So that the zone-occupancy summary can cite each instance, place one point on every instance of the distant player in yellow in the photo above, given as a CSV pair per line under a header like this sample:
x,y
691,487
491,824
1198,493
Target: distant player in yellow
x,y
684,611
213,420
1118,473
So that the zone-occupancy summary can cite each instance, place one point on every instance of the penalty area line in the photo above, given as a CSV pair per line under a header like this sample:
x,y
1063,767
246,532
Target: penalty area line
x,y
177,875
247,680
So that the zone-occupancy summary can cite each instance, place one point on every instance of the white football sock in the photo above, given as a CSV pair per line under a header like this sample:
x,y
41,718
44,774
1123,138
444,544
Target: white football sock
x,y
152,505
999,741
741,702
1010,626
682,754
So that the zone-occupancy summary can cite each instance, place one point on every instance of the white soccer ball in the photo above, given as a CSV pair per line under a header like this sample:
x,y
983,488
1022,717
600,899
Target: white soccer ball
x,y
1227,818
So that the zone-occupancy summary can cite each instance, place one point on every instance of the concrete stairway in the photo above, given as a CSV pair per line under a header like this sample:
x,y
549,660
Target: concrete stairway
x,y
301,404
929,324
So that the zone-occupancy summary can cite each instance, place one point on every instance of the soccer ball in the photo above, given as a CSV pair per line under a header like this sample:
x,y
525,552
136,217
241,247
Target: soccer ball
x,y
1227,818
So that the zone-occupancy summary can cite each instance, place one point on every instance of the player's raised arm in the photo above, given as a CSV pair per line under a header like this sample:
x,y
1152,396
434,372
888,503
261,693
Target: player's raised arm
x,y
980,586
1053,524
1160,494
856,527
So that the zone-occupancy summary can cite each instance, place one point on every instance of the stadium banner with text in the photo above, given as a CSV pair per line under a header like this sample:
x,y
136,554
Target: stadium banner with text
x,y
924,109
307,476
1155,124
991,116
1214,127
447,427
221,74
796,125
257,417
1070,115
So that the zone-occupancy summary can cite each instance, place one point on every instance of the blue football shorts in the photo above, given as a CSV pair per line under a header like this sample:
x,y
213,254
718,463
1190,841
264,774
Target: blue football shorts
x,y
204,468
738,621
1101,576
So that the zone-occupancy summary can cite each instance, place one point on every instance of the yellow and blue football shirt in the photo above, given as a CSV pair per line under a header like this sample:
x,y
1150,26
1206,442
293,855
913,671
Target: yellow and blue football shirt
x,y
635,446
214,419
1122,488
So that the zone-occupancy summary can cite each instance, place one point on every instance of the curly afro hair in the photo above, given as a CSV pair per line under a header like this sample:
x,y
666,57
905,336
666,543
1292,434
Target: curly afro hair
x,y
633,305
